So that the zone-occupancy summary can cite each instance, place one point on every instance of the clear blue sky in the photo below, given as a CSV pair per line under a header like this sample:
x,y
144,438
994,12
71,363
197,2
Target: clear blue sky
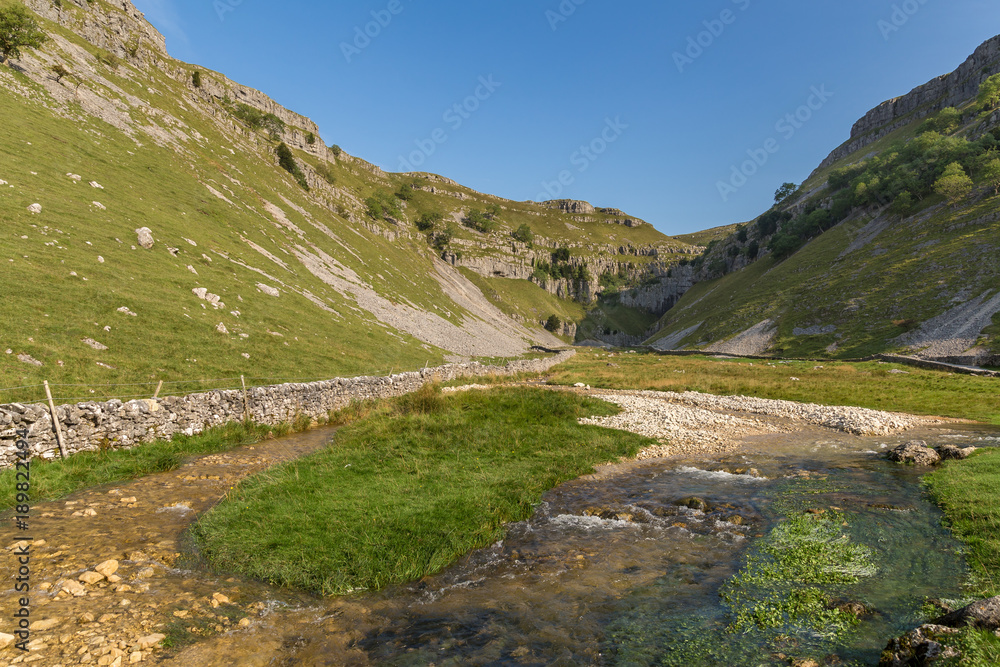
x,y
565,68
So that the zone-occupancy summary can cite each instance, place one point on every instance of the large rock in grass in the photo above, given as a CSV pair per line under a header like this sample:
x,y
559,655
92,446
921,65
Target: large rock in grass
x,y
145,237
984,615
951,452
916,452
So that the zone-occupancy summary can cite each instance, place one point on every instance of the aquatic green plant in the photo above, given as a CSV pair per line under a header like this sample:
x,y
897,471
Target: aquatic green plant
x,y
779,586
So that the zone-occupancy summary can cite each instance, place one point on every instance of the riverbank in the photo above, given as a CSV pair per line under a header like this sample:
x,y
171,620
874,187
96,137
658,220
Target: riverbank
x,y
873,385
142,524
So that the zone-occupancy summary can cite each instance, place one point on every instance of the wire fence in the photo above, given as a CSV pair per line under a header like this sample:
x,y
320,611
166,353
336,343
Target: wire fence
x,y
64,393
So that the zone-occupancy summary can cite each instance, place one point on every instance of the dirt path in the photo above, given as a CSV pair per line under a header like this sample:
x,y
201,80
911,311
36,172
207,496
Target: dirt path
x,y
132,532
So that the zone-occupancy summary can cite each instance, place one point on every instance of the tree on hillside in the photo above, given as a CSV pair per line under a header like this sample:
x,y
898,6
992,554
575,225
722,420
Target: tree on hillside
x,y
524,234
287,162
553,324
18,28
954,185
784,192
989,92
992,174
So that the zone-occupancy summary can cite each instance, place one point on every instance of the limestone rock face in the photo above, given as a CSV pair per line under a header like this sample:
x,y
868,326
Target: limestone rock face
x,y
949,90
109,28
572,206
145,237
916,452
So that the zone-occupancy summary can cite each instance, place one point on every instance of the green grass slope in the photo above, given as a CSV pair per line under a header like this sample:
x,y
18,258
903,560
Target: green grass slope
x,y
897,269
358,292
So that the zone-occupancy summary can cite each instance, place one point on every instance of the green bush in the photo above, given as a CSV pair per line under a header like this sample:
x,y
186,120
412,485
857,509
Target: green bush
x,y
553,324
442,239
323,169
287,162
784,192
481,221
405,192
196,79
274,126
524,235
954,184
18,29
253,118
989,93
310,138
428,222
382,206
945,121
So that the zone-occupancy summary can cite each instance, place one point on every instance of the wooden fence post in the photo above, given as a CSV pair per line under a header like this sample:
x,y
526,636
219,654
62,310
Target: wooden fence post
x,y
246,402
55,420
158,388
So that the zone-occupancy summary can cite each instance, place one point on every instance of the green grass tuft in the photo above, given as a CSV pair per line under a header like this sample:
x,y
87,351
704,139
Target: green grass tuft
x,y
407,490
967,491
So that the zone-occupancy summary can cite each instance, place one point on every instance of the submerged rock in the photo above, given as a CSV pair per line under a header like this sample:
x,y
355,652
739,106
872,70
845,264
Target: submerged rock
x,y
916,452
695,503
921,646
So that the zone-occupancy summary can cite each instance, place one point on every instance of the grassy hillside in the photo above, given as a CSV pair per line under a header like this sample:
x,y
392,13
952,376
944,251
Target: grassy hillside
x,y
703,238
871,258
360,291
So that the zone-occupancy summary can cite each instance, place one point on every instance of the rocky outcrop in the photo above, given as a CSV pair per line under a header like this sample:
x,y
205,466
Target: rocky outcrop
x,y
571,206
662,296
949,90
116,26
116,425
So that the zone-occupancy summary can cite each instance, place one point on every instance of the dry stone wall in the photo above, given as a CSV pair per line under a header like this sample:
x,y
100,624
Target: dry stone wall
x,y
90,426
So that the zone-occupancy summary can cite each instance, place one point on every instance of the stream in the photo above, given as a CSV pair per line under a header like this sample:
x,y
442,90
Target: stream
x,y
626,566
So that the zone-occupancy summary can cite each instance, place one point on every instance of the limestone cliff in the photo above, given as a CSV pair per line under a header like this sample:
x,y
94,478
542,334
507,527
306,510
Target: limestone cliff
x,y
949,90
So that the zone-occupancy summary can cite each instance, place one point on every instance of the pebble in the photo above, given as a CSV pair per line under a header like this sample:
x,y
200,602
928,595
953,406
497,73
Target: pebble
x,y
91,577
107,568
692,422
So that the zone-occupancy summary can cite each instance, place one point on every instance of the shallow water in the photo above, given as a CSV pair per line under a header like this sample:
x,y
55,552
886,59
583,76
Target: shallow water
x,y
623,568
